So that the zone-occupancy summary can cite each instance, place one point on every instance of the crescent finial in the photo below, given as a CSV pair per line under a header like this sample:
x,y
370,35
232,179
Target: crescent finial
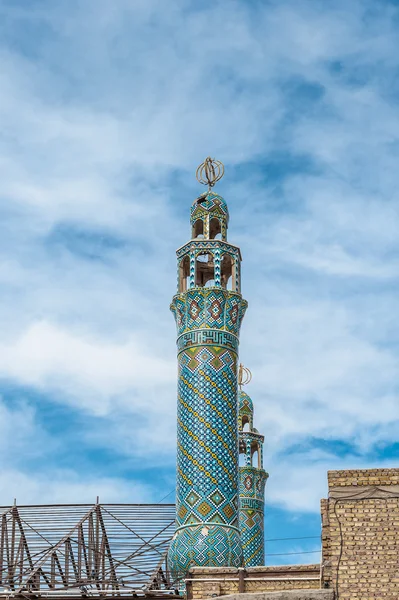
x,y
210,172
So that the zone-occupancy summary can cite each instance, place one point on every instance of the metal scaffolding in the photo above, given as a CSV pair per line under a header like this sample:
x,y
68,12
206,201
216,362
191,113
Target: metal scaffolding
x,y
85,550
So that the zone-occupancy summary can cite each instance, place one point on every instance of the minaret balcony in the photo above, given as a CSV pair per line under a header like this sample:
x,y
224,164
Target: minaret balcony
x,y
249,436
202,244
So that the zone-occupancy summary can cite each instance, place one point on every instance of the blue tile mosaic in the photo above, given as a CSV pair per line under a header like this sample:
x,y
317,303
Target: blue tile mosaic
x,y
219,506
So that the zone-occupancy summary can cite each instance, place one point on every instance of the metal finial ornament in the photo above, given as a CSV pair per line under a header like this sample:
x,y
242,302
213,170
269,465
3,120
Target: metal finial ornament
x,y
210,172
244,375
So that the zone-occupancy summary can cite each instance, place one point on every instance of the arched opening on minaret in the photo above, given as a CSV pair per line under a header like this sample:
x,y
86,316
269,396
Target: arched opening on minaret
x,y
215,229
241,459
226,272
205,270
198,229
255,456
184,274
245,423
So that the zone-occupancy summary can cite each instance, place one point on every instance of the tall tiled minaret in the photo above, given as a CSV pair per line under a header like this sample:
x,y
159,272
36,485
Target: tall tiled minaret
x,y
252,479
208,309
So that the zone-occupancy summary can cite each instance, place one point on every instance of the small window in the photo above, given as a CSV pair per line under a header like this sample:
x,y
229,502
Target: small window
x,y
215,229
226,272
204,270
198,229
245,423
255,456
184,274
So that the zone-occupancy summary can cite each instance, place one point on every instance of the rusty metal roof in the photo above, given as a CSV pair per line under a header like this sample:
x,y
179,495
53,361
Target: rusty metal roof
x,y
84,550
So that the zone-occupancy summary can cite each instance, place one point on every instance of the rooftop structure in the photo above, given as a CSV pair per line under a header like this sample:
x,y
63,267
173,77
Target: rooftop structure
x,y
85,550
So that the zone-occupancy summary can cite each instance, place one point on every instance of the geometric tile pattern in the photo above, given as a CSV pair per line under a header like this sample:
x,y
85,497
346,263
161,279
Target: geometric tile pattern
x,y
245,409
207,337
223,247
210,205
208,323
204,545
207,460
218,251
208,308
252,486
252,480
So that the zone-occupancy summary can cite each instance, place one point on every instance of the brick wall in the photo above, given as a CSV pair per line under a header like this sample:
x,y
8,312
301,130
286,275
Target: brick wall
x,y
205,582
360,546
360,534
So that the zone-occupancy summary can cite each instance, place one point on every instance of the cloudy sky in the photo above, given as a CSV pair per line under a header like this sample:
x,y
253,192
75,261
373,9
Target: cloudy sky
x,y
106,109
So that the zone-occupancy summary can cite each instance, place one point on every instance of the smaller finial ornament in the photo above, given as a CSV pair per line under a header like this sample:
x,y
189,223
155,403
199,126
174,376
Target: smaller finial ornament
x,y
244,375
209,172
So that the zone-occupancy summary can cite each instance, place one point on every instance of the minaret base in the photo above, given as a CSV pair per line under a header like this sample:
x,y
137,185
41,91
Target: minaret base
x,y
204,545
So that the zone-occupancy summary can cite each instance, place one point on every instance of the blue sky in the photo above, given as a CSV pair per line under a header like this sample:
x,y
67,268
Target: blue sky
x,y
106,109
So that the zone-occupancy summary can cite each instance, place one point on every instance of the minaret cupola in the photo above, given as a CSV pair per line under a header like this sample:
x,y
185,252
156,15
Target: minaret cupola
x,y
208,260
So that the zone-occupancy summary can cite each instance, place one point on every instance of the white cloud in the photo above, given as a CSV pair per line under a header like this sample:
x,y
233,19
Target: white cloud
x,y
89,372
297,482
63,487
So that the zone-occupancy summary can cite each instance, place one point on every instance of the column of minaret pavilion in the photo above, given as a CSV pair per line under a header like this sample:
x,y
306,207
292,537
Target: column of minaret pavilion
x,y
208,310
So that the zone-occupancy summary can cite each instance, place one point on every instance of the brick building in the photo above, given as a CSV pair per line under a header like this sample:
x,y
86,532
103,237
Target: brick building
x,y
360,547
360,534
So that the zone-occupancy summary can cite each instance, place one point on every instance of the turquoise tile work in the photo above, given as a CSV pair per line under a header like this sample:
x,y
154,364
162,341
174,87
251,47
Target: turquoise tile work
x,y
208,310
252,479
